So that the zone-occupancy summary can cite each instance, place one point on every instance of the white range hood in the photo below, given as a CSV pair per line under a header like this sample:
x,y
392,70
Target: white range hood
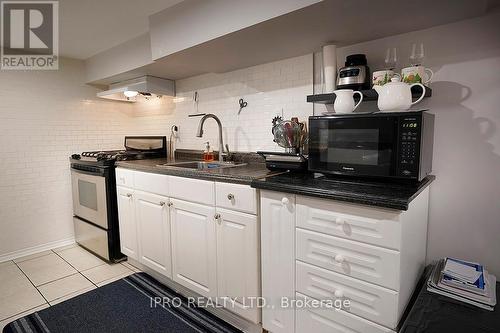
x,y
144,87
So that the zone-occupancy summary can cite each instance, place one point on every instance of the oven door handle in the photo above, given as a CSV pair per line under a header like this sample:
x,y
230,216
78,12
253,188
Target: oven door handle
x,y
99,173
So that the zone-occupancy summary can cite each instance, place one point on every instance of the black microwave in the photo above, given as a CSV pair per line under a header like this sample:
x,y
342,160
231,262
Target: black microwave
x,y
389,145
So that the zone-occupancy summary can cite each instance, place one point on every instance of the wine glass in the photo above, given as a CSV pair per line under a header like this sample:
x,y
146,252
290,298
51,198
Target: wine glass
x,y
417,59
391,60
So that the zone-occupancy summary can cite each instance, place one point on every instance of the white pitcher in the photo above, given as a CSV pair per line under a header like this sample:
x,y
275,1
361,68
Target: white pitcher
x,y
344,101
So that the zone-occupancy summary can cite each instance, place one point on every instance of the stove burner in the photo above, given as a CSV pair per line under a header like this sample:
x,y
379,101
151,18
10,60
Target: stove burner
x,y
136,148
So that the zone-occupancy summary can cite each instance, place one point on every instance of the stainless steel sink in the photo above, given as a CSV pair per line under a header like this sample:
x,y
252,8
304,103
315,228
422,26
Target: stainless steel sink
x,y
199,165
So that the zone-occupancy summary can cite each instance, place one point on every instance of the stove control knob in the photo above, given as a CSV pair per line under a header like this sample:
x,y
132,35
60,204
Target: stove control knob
x,y
76,156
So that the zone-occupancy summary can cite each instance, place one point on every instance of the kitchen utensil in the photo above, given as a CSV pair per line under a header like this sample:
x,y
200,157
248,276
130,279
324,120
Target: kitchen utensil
x,y
355,75
396,95
417,74
289,134
380,78
344,100
243,104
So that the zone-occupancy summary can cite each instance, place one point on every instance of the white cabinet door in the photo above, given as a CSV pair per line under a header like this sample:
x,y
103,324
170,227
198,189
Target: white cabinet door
x,y
238,271
194,263
278,259
154,231
126,221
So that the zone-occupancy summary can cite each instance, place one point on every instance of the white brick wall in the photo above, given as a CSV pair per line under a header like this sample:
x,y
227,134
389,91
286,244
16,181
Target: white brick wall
x,y
45,116
270,89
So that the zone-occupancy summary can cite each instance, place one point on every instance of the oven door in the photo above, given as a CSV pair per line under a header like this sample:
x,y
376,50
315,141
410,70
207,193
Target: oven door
x,y
89,197
357,145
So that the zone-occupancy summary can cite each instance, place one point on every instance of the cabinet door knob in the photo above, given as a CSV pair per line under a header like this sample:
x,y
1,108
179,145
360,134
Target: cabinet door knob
x,y
170,204
339,221
339,258
162,203
129,195
339,293
285,201
217,216
230,196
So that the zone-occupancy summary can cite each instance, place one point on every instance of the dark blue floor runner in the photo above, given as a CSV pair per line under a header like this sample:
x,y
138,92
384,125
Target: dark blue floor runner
x,y
120,307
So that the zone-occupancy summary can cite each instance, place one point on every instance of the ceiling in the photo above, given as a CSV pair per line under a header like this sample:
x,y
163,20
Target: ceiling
x,y
87,27
304,31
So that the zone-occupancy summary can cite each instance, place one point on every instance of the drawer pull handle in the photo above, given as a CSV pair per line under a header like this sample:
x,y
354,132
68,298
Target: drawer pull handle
x,y
339,293
285,201
162,203
230,196
339,258
339,221
169,204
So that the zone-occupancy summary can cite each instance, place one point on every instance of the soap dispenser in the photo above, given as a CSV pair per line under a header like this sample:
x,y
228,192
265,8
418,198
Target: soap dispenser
x,y
208,155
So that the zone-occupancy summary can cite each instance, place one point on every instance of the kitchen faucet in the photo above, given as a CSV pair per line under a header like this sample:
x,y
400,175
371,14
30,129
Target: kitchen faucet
x,y
199,133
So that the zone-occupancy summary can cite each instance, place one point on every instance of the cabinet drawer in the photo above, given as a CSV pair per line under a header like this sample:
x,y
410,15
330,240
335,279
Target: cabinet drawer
x,y
237,197
125,177
371,302
369,225
366,262
151,183
193,190
333,321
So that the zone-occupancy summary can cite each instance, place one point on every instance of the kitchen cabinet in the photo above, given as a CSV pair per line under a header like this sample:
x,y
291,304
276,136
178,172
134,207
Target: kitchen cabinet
x,y
128,227
153,231
237,263
324,249
194,261
174,226
278,259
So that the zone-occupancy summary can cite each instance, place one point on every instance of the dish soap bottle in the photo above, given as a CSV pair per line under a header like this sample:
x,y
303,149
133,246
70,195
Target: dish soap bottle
x,y
208,155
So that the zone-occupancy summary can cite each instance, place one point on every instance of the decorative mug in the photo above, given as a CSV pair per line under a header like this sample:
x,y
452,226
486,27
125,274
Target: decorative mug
x,y
417,74
379,78
344,100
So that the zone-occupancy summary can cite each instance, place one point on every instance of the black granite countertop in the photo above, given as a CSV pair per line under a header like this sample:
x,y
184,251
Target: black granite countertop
x,y
387,195
242,174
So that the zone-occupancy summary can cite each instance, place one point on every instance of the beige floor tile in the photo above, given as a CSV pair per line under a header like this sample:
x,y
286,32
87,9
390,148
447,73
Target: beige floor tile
x,y
80,258
62,248
116,278
12,280
65,286
46,269
131,267
3,323
32,256
79,292
20,301
6,263
105,272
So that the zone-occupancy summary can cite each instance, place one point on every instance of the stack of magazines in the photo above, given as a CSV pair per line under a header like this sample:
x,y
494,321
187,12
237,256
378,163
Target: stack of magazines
x,y
465,281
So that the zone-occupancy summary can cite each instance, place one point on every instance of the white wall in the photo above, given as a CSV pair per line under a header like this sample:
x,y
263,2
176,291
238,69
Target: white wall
x,y
270,89
45,116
